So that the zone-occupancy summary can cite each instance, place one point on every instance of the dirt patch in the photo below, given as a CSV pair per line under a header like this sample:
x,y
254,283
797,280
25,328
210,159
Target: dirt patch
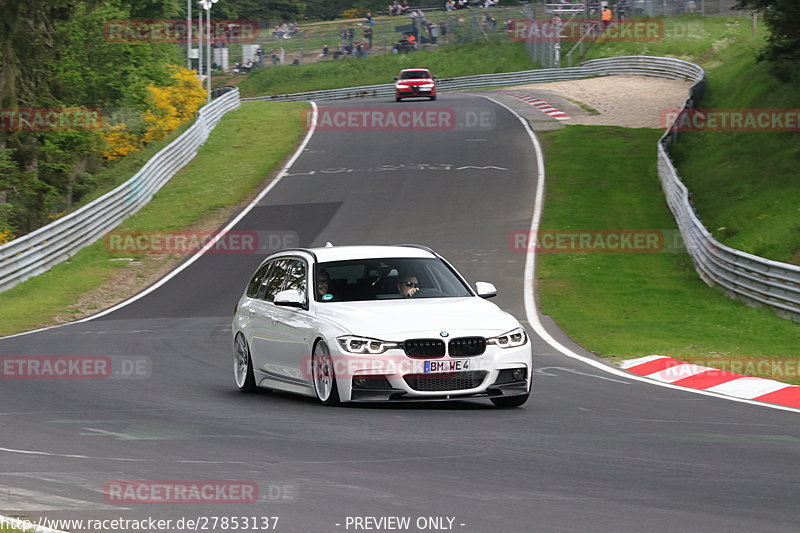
x,y
627,101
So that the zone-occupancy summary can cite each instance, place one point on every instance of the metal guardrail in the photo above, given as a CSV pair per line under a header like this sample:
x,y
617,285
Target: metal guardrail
x,y
648,66
49,245
757,280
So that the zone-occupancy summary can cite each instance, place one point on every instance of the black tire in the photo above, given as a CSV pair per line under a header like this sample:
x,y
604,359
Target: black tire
x,y
433,97
321,362
397,99
244,379
505,402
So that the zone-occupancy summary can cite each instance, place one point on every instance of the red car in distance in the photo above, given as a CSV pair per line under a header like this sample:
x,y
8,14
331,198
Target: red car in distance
x,y
414,82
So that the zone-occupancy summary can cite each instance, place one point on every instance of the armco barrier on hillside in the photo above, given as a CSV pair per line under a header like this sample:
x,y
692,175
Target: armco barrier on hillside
x,y
757,280
37,251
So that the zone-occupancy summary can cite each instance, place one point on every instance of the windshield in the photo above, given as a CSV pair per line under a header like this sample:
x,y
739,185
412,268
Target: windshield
x,y
415,75
386,279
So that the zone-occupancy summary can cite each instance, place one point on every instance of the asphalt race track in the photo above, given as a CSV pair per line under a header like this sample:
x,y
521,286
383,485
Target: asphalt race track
x,y
590,452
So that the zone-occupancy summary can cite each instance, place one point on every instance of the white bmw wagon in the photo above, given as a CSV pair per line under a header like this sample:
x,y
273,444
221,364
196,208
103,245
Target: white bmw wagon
x,y
376,323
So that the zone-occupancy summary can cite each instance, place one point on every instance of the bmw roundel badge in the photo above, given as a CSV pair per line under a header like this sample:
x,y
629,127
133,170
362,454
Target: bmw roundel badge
x,y
443,333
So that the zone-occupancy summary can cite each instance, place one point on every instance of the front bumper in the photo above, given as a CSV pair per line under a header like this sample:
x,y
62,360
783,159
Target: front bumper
x,y
516,388
409,92
397,377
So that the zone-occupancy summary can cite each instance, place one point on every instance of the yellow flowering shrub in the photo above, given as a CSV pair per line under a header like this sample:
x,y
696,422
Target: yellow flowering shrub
x,y
120,142
6,235
168,108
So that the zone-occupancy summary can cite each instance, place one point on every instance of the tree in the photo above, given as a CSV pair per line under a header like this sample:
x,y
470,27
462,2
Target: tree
x,y
54,54
783,20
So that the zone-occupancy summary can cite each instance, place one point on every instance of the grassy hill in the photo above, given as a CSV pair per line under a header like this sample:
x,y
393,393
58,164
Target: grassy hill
x,y
745,184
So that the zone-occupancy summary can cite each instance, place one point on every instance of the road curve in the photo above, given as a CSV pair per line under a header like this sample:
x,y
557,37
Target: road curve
x,y
589,452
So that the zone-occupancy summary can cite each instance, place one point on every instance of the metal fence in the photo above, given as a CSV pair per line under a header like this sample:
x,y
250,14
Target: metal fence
x,y
39,250
382,36
570,48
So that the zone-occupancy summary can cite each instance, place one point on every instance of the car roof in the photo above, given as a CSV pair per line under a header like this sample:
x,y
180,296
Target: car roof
x,y
342,253
412,69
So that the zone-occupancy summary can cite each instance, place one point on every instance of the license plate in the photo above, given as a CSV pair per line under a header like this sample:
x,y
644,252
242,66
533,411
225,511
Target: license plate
x,y
447,366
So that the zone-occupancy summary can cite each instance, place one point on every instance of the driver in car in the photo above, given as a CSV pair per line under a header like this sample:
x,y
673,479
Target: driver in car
x,y
323,281
407,286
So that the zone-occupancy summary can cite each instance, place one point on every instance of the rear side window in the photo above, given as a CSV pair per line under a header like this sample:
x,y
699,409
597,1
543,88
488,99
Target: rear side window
x,y
296,277
257,280
274,281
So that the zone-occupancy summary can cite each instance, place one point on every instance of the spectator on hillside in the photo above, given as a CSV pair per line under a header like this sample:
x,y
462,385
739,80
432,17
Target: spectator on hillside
x,y
450,5
606,17
433,31
324,52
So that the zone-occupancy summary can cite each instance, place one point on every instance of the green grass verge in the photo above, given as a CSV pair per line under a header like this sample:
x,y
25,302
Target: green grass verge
x,y
745,184
474,58
245,147
635,304
688,37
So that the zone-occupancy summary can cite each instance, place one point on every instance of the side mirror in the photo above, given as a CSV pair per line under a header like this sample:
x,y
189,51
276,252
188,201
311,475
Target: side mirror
x,y
484,290
290,298
396,78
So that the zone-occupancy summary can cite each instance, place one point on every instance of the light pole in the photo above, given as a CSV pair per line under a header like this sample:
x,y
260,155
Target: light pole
x,y
206,4
200,44
189,46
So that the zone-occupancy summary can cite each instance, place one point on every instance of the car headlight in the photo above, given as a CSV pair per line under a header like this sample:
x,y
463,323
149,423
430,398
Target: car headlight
x,y
511,339
401,86
364,345
427,85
